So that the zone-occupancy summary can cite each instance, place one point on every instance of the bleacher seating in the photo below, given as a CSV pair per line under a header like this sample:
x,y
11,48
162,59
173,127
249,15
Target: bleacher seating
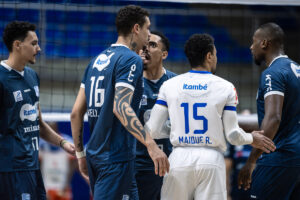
x,y
80,34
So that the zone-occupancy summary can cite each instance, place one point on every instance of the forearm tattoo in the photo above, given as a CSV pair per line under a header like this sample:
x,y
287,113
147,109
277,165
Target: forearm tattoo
x,y
80,144
126,114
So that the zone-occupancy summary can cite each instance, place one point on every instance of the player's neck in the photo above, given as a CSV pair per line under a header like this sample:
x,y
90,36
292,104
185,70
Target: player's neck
x,y
270,57
201,68
154,73
15,63
128,41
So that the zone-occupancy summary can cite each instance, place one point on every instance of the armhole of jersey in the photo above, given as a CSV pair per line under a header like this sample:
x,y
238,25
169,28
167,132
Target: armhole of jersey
x,y
161,102
231,108
272,93
123,84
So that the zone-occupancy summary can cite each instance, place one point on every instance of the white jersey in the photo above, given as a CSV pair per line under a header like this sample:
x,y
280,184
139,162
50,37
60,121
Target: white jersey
x,y
196,101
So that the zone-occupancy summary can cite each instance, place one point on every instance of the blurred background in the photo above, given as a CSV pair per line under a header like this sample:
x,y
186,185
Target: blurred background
x,y
72,32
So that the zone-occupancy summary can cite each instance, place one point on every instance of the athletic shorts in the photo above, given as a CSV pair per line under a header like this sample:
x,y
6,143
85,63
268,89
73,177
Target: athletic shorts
x,y
195,173
22,185
275,183
114,181
149,184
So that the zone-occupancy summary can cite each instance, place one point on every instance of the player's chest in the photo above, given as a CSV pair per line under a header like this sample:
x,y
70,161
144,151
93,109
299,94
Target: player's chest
x,y
20,91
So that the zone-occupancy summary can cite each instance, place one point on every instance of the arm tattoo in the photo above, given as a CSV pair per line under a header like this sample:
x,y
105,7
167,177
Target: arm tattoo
x,y
126,114
80,145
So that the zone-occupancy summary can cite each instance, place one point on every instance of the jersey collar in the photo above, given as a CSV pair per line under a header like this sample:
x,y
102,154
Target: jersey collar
x,y
199,72
3,63
280,56
119,45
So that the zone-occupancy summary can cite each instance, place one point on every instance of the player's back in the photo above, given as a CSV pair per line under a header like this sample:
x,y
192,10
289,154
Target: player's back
x,y
196,101
283,78
116,66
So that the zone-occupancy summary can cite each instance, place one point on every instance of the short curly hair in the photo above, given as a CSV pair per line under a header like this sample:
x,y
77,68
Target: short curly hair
x,y
164,40
128,16
16,30
197,47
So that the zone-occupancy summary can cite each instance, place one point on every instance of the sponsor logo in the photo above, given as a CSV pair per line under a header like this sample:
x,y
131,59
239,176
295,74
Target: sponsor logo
x,y
29,112
296,69
268,82
37,92
27,90
25,196
144,100
125,197
131,75
253,196
102,61
194,87
18,95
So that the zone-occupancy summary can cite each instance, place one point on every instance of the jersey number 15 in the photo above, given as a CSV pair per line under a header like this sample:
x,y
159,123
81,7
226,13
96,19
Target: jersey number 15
x,y
195,117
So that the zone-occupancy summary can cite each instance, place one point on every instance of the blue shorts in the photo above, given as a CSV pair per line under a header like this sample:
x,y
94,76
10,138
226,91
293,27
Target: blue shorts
x,y
114,181
275,183
149,185
22,185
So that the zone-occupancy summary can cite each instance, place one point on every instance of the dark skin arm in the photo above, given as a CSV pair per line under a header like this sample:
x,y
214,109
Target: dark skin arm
x,y
270,125
124,112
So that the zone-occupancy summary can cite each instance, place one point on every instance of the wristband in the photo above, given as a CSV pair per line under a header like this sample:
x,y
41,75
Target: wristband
x,y
80,154
62,142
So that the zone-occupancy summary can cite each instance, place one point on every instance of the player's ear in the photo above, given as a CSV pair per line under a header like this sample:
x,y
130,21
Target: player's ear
x,y
264,44
16,44
208,56
136,28
164,55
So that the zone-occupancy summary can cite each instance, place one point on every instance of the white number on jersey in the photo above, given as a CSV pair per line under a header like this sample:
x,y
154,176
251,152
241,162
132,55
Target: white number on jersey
x,y
99,93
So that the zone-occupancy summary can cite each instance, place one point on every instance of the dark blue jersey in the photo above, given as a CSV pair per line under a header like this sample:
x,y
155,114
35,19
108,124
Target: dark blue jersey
x,y
110,142
282,77
151,90
239,156
19,119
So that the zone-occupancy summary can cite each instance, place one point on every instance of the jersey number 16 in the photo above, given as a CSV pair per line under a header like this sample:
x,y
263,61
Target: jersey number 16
x,y
98,94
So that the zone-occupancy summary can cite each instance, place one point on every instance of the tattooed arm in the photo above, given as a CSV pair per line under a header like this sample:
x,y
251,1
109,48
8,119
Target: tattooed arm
x,y
77,117
129,120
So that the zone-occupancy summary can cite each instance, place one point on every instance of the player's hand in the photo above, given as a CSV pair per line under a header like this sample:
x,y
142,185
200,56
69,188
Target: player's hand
x,y
69,148
83,169
160,159
244,178
262,142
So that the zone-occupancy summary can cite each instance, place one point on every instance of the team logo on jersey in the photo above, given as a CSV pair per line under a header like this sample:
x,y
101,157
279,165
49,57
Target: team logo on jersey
x,y
18,95
37,92
29,112
102,61
144,100
268,82
296,69
25,196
